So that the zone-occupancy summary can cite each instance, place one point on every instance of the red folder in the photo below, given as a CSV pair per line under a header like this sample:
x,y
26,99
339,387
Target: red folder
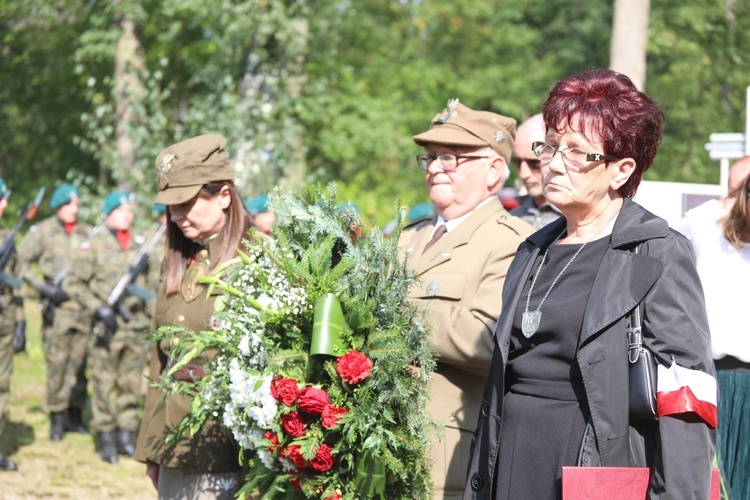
x,y
610,483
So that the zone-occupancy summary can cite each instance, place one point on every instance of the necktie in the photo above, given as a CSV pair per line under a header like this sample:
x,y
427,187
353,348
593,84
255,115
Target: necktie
x,y
439,232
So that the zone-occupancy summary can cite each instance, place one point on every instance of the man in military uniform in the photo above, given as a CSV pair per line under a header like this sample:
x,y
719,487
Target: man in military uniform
x,y
461,255
533,207
66,330
116,361
12,326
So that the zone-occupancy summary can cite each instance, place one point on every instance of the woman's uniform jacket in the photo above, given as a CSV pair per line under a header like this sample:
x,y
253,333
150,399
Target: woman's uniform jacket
x,y
212,448
663,278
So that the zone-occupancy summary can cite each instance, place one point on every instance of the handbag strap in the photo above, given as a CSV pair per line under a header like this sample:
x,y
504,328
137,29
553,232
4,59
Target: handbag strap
x,y
635,337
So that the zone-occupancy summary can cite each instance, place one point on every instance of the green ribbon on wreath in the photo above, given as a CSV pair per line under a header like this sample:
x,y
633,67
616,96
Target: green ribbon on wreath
x,y
328,325
369,478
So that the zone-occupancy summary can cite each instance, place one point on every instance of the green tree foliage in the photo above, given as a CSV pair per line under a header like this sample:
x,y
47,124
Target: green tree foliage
x,y
334,89
40,101
700,79
232,67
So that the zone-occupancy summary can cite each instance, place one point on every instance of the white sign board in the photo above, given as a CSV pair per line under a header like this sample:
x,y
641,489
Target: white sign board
x,y
670,200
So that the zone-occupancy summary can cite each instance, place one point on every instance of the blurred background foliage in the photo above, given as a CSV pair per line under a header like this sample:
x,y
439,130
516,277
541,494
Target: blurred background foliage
x,y
318,90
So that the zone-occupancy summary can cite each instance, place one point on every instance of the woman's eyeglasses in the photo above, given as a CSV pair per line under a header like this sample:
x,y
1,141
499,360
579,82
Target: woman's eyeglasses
x,y
572,157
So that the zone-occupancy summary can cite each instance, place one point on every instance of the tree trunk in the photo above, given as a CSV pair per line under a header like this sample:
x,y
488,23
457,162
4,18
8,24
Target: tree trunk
x,y
627,53
128,89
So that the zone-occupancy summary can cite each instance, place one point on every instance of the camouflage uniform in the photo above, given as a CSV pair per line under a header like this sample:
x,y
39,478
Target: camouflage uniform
x,y
115,372
11,310
66,329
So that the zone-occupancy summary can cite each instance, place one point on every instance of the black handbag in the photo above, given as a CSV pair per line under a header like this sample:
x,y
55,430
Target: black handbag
x,y
642,371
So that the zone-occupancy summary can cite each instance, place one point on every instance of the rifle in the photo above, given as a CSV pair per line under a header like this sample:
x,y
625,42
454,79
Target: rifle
x,y
8,246
126,285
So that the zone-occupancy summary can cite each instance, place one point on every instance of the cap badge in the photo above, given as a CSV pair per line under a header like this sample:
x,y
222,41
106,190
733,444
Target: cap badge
x,y
166,163
450,110
499,136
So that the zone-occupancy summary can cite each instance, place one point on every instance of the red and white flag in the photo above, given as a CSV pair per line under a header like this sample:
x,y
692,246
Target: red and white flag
x,y
682,390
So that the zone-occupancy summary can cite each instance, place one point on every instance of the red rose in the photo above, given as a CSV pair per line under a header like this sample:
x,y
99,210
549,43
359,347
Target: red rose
x,y
293,453
331,416
353,367
293,424
271,436
284,390
323,460
312,400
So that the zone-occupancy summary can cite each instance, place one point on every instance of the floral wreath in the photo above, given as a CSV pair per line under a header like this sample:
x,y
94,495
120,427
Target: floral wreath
x,y
321,364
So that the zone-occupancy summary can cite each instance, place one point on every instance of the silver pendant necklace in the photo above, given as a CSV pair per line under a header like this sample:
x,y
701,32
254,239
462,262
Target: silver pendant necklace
x,y
530,319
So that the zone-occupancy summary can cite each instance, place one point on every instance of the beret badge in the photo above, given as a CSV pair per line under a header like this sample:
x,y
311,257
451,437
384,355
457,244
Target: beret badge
x,y
166,166
450,110
166,163
499,136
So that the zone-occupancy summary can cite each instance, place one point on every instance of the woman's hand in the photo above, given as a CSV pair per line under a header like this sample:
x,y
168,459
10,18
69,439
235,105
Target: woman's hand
x,y
152,471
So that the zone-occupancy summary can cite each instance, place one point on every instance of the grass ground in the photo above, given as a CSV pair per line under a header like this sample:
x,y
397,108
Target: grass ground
x,y
66,469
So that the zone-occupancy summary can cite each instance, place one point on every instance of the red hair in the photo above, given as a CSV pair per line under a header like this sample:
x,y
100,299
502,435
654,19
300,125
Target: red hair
x,y
607,106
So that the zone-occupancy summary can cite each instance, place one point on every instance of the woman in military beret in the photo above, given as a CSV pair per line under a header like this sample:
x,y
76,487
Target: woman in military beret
x,y
206,224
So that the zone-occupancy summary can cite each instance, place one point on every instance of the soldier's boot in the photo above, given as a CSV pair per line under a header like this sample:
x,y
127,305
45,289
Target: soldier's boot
x,y
107,447
125,444
57,426
75,421
6,464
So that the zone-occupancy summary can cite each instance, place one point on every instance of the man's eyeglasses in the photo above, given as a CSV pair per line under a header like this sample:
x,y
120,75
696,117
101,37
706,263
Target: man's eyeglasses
x,y
446,161
572,157
532,163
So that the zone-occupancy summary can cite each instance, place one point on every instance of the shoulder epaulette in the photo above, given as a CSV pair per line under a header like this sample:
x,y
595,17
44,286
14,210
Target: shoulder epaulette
x,y
517,224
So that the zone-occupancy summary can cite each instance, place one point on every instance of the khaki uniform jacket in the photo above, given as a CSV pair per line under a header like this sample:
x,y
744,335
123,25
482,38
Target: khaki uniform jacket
x,y
96,270
461,280
212,449
52,249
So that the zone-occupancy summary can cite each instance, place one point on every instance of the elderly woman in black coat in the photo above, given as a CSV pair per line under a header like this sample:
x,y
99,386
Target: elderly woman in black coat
x,y
558,391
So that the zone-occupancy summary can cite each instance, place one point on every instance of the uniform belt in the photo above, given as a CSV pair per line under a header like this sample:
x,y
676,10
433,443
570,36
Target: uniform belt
x,y
188,373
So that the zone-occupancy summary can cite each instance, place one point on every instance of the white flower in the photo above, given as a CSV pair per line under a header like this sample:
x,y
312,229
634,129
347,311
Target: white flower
x,y
253,393
244,346
267,458
287,465
268,301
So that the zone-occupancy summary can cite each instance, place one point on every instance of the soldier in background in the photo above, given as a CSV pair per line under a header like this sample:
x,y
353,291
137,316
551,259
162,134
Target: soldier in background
x,y
116,364
263,217
533,208
12,325
66,330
